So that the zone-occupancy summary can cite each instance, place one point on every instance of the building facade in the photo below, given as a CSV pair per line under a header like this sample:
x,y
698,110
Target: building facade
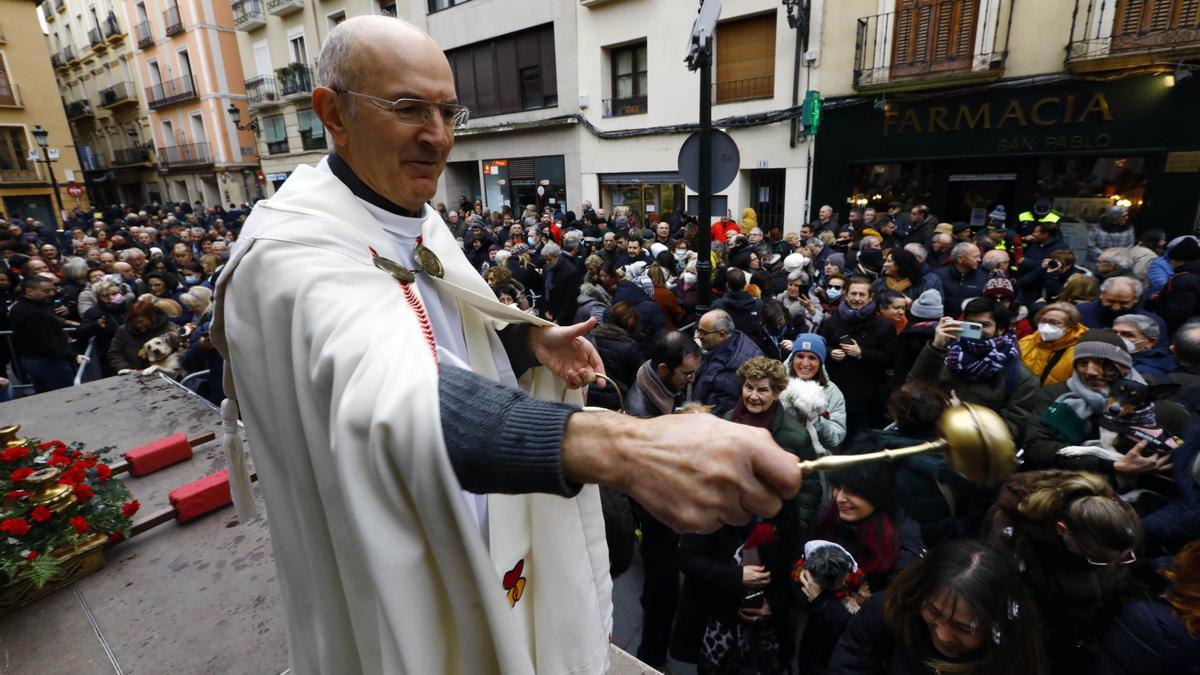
x,y
97,77
969,104
279,41
28,100
186,54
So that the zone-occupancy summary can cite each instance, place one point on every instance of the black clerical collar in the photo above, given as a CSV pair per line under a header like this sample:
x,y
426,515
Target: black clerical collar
x,y
344,173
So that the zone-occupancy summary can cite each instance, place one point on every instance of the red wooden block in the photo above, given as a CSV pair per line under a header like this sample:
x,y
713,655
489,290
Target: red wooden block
x,y
194,499
158,455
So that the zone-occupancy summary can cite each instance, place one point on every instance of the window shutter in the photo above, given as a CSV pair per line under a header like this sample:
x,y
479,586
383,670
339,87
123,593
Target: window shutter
x,y
1129,16
275,129
745,55
933,35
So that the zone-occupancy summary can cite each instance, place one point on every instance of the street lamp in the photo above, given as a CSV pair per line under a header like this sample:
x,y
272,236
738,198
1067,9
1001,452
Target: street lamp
x,y
43,140
235,116
798,14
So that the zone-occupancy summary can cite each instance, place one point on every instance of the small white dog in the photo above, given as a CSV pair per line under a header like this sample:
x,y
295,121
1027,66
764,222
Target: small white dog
x,y
806,400
163,354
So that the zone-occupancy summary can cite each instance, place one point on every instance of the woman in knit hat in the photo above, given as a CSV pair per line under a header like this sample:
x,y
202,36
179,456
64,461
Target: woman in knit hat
x,y
826,415
1049,353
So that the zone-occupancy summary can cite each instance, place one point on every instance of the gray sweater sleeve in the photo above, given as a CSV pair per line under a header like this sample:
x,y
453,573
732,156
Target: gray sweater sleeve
x,y
500,439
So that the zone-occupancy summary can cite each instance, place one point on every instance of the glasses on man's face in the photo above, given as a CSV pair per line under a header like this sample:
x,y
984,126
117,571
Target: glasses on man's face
x,y
700,332
415,112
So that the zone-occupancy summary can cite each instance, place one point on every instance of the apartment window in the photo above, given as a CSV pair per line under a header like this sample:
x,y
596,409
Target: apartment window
x,y
276,133
933,36
312,132
745,56
629,69
336,18
439,5
507,74
8,96
14,153
296,48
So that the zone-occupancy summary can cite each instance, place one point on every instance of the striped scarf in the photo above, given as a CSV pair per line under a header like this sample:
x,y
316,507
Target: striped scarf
x,y
982,359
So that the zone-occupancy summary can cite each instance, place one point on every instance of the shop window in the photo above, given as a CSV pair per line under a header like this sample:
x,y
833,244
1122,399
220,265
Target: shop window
x,y
507,74
745,59
1085,187
275,132
878,184
629,75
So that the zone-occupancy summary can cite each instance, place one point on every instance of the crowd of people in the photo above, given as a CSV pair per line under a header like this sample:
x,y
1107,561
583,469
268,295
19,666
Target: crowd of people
x,y
134,285
839,338
849,337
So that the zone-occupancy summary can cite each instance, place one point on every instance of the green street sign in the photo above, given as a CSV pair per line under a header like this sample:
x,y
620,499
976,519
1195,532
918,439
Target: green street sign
x,y
810,112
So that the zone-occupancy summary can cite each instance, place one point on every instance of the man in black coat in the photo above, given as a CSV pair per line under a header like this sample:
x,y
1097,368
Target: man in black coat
x,y
41,344
961,279
562,280
1179,300
741,305
862,354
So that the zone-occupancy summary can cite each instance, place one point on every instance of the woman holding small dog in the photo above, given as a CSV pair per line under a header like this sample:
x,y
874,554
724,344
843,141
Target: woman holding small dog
x,y
147,319
823,410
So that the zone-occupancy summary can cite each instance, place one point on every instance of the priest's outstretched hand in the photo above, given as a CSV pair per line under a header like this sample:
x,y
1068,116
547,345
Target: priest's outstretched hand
x,y
567,354
693,472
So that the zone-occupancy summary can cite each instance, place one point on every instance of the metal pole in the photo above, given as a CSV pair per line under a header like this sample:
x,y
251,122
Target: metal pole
x,y
54,185
704,215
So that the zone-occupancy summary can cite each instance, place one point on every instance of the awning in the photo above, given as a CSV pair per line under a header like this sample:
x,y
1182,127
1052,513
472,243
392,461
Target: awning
x,y
645,178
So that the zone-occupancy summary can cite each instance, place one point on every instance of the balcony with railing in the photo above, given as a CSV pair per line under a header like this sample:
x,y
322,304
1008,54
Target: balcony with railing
x,y
57,61
10,95
295,80
248,14
188,154
172,22
284,7
112,28
620,107
1117,34
746,89
932,45
93,162
68,56
18,175
96,39
170,92
145,37
121,93
132,156
77,110
262,91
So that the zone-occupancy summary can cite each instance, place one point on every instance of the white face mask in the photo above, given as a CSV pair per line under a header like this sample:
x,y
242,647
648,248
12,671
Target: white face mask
x,y
833,293
1129,345
689,279
1050,332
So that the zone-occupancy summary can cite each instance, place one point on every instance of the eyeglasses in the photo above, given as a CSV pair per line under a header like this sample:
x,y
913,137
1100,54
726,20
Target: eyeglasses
x,y
1109,563
415,112
701,332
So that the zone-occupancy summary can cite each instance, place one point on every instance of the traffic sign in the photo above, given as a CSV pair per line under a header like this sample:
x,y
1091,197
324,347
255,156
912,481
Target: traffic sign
x,y
541,190
52,153
75,191
725,160
35,155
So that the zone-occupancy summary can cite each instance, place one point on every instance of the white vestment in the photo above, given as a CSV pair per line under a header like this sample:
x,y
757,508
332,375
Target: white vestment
x,y
381,565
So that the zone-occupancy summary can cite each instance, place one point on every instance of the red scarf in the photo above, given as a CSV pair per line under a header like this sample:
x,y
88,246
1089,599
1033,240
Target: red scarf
x,y
761,420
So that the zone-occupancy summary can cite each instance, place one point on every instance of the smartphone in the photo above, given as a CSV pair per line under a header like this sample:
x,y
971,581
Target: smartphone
x,y
754,600
971,330
845,340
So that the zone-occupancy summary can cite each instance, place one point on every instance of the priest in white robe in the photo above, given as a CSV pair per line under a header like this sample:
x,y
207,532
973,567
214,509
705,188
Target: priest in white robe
x,y
427,514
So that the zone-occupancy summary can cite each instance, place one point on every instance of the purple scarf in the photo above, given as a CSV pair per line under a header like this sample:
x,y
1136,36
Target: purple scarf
x,y
982,359
851,314
761,420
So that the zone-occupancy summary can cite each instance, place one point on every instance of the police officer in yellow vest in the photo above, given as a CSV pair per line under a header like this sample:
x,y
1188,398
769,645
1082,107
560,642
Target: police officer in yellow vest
x,y
1041,213
1004,238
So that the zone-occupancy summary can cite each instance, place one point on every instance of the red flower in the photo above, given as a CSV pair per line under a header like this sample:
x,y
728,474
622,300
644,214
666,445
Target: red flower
x,y
115,537
103,471
59,460
31,556
72,476
55,445
40,514
83,492
87,461
14,526
17,494
14,453
20,474
130,508
80,524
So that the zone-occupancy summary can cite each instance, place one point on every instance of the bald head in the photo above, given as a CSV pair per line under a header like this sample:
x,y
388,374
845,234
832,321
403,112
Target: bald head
x,y
398,149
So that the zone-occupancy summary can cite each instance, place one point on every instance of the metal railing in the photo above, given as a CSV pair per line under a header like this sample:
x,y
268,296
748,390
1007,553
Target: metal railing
x,y
620,107
261,90
1100,31
187,154
121,92
128,156
247,12
277,147
284,7
89,370
172,22
296,79
79,109
170,92
145,37
309,142
928,41
744,90
18,175
112,27
22,382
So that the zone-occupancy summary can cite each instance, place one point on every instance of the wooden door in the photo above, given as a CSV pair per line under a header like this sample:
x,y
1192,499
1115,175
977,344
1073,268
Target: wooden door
x,y
1142,24
931,36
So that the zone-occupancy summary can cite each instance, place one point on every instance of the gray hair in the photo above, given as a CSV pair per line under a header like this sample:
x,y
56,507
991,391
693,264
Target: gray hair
x,y
75,269
572,239
333,64
1148,326
722,321
1120,257
132,253
942,236
551,248
960,249
994,258
813,241
918,251
870,241
1187,343
1111,283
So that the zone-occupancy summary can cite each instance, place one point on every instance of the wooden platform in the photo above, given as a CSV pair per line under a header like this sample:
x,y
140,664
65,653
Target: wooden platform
x,y
197,598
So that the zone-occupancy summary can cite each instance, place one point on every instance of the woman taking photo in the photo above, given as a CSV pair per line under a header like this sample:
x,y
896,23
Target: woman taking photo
x,y
961,609
1049,352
